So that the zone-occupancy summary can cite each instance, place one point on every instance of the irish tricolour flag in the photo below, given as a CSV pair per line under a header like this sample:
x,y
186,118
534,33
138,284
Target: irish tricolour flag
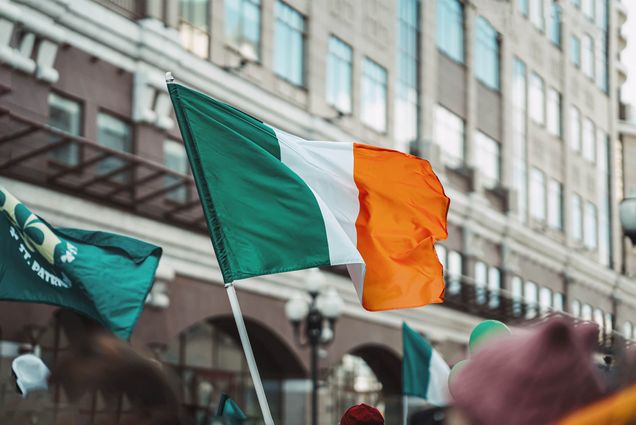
x,y
275,203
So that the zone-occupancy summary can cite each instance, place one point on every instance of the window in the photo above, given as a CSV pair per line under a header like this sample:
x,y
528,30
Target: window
x,y
175,158
545,299
243,24
557,301
374,95
115,134
494,287
454,272
577,218
523,7
487,155
555,204
519,145
450,29
65,115
588,56
555,23
599,318
289,55
586,312
537,15
407,122
601,63
516,289
449,136
537,99
194,26
575,308
339,70
537,194
531,298
591,226
588,9
609,323
481,282
605,198
554,112
487,54
628,330
602,14
575,129
575,51
589,140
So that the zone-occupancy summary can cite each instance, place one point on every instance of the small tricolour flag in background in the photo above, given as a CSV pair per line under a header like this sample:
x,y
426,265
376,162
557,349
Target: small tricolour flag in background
x,y
102,275
424,371
275,203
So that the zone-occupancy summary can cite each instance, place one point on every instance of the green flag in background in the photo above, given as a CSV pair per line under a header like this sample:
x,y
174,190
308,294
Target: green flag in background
x,y
229,411
104,276
424,372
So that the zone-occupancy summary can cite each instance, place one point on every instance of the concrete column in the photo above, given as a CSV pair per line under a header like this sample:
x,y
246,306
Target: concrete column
x,y
470,13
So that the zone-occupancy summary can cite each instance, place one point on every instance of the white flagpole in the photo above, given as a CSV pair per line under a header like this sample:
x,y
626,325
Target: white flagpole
x,y
249,355
245,341
405,409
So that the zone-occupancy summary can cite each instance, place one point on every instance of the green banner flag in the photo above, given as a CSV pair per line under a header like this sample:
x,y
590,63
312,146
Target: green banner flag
x,y
424,372
230,411
102,275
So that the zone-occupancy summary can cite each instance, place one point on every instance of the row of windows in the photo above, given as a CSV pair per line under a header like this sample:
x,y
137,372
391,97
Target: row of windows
x,y
112,132
595,10
587,312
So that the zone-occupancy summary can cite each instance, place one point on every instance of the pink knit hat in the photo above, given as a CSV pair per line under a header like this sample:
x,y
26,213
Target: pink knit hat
x,y
530,379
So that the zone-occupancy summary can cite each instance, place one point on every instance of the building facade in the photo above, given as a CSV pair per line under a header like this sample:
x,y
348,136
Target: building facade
x,y
513,102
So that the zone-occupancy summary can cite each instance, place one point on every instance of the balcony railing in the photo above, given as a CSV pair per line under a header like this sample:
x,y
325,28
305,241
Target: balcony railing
x,y
29,151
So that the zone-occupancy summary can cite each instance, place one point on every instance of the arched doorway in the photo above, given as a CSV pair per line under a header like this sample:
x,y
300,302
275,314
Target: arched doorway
x,y
369,374
209,360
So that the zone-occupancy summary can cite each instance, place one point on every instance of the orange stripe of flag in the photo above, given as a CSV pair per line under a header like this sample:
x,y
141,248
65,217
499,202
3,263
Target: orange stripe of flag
x,y
403,211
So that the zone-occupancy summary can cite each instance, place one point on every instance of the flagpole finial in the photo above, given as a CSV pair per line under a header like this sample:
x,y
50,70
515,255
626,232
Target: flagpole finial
x,y
169,77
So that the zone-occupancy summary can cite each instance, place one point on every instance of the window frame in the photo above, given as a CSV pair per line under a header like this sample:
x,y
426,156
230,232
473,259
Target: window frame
x,y
278,22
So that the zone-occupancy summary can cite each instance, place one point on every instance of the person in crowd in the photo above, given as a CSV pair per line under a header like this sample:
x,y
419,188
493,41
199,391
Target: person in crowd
x,y
362,414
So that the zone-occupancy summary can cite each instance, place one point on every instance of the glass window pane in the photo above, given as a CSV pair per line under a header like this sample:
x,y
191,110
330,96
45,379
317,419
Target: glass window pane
x,y
586,312
589,140
374,100
175,158
555,23
591,226
575,129
65,115
587,56
488,159
555,204
289,55
481,281
339,68
554,112
494,287
575,308
575,51
557,301
577,217
516,289
537,14
537,194
454,272
449,136
628,330
545,299
537,99
487,54
531,298
450,28
115,134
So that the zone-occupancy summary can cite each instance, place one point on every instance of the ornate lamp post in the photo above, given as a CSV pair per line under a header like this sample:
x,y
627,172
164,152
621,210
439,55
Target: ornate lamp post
x,y
627,212
318,317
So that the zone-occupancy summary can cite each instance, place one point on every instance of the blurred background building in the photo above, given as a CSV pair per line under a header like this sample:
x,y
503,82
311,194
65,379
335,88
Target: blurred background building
x,y
515,103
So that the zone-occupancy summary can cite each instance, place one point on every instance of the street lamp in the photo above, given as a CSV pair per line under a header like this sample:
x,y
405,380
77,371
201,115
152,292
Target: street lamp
x,y
627,213
319,316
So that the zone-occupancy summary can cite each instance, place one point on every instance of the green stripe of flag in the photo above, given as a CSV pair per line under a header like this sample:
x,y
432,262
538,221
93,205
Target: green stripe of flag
x,y
261,216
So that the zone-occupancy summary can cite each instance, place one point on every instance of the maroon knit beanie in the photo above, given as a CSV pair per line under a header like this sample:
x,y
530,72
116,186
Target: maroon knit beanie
x,y
530,379
362,414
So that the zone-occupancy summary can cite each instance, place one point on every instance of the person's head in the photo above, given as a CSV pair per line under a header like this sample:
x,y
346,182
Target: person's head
x,y
362,414
531,378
